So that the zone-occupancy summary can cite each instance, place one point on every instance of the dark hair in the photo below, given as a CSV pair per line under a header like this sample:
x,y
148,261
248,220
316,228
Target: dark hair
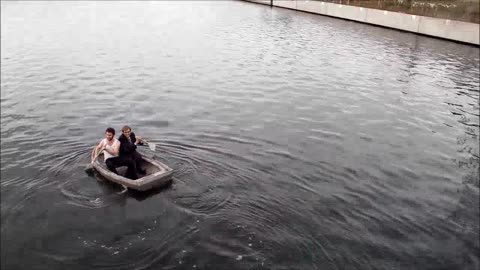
x,y
110,130
125,128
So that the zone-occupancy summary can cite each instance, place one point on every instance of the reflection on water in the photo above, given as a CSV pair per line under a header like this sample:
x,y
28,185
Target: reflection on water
x,y
298,141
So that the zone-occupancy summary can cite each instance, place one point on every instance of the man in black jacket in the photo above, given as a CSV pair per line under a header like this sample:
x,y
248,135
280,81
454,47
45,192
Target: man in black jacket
x,y
128,149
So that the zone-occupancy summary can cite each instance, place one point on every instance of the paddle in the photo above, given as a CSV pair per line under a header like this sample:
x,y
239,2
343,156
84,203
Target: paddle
x,y
152,146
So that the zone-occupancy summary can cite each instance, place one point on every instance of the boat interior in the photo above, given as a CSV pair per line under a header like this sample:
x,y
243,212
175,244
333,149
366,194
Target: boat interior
x,y
149,167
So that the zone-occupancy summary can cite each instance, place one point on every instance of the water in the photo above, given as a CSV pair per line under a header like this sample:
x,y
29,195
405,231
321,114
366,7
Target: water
x,y
298,141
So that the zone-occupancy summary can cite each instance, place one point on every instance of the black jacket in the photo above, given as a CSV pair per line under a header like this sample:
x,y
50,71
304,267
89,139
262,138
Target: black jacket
x,y
127,147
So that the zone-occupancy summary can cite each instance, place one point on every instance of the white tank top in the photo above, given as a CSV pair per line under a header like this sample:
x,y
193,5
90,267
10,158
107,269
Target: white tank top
x,y
115,143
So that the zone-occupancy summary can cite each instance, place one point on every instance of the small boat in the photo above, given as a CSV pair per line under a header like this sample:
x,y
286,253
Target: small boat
x,y
157,174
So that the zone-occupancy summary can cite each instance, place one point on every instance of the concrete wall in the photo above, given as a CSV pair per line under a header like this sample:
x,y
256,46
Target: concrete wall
x,y
393,20
285,4
454,30
441,28
266,2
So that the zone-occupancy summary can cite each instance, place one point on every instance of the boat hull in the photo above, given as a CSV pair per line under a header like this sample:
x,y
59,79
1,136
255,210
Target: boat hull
x,y
158,174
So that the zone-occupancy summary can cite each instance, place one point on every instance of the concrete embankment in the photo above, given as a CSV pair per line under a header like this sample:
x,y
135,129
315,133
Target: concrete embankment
x,y
441,28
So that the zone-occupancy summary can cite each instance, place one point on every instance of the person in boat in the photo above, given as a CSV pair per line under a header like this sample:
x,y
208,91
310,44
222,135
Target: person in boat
x,y
109,145
128,148
111,149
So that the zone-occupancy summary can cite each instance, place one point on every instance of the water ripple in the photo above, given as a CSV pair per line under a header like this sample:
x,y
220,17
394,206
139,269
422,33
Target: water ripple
x,y
297,141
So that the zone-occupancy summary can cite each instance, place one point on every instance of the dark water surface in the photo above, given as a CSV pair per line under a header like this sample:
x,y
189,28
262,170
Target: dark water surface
x,y
298,141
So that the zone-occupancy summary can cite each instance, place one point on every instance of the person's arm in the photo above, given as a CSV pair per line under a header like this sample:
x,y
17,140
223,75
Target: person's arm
x,y
137,140
97,150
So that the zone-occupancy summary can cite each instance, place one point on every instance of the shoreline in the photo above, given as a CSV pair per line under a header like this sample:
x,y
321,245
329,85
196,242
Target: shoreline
x,y
457,31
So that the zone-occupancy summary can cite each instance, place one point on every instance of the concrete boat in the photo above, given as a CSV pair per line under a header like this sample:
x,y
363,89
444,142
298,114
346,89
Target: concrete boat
x,y
158,174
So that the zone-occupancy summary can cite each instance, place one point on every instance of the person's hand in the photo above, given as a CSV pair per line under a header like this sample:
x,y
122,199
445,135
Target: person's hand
x,y
98,153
